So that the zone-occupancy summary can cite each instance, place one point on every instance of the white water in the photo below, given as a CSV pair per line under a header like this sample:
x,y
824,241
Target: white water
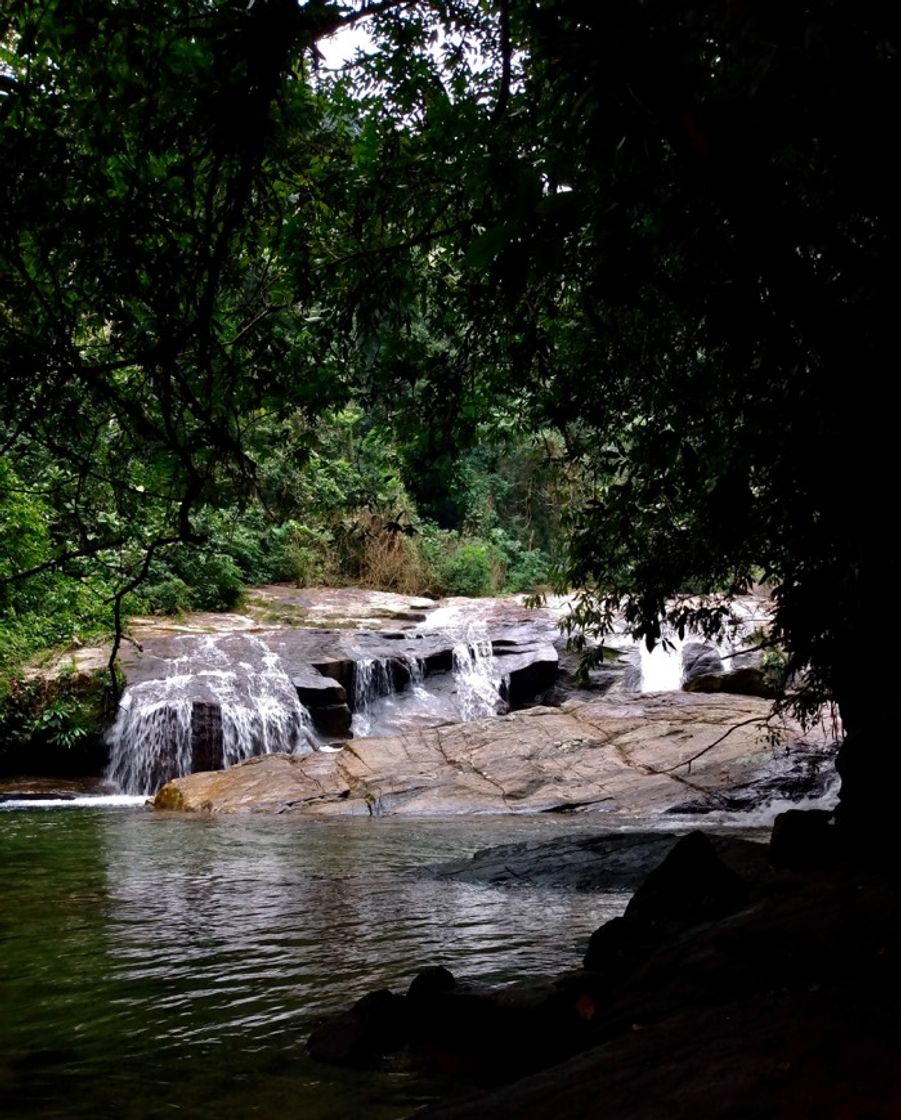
x,y
372,681
416,668
760,817
152,739
476,676
87,801
474,689
661,667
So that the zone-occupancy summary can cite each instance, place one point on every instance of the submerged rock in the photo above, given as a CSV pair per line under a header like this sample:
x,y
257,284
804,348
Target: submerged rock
x,y
376,1025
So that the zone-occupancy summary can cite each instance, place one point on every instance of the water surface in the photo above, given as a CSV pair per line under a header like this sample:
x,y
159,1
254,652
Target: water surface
x,y
155,965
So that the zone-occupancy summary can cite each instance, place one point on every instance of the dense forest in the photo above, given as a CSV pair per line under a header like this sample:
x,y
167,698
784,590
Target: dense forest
x,y
522,292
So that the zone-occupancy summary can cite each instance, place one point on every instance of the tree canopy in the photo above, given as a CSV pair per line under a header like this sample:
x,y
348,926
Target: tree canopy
x,y
665,232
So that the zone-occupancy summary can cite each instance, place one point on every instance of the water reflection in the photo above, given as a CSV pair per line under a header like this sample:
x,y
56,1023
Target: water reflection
x,y
148,962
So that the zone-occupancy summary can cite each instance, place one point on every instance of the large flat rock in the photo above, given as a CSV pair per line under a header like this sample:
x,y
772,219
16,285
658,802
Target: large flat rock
x,y
632,754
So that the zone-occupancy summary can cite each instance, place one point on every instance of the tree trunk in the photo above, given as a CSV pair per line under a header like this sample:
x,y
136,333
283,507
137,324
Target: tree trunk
x,y
869,765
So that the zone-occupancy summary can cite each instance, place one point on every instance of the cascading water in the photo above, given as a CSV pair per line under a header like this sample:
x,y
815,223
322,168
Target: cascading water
x,y
661,667
210,717
478,682
372,681
416,667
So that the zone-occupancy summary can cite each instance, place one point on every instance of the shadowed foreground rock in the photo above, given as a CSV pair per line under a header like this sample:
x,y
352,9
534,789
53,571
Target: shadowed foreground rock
x,y
626,754
740,993
785,1010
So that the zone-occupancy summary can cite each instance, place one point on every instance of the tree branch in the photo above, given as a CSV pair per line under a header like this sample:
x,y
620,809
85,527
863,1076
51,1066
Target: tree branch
x,y
716,742
503,97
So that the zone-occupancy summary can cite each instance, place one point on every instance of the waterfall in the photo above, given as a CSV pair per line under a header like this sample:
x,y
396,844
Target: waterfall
x,y
661,667
475,674
416,667
372,681
212,717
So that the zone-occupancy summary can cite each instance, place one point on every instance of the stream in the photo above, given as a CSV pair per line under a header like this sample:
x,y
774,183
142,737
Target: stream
x,y
153,965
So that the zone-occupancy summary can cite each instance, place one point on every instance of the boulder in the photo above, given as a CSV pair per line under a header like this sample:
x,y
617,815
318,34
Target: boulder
x,y
374,1026
749,680
430,982
690,887
700,659
803,838
626,753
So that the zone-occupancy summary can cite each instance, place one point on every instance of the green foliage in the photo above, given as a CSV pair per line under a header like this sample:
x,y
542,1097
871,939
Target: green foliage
x,y
456,566
51,721
620,272
307,557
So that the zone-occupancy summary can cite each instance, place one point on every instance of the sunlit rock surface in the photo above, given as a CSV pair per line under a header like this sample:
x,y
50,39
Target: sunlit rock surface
x,y
625,754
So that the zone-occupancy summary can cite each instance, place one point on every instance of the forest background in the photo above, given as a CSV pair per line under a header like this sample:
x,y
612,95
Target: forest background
x,y
526,281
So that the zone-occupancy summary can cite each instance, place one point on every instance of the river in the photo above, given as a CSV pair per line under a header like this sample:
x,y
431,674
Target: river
x,y
153,965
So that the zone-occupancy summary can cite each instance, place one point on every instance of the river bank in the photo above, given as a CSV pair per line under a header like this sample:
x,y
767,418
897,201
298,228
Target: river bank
x,y
175,963
730,989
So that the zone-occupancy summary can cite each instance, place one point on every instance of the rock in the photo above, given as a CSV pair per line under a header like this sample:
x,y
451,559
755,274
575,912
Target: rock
x,y
803,838
605,862
206,737
314,689
746,681
700,659
613,948
421,604
430,982
625,753
339,669
376,1025
691,886
333,720
527,671
773,1012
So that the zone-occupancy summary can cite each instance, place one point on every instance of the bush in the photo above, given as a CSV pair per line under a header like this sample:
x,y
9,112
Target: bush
x,y
456,565
304,556
53,724
168,596
391,561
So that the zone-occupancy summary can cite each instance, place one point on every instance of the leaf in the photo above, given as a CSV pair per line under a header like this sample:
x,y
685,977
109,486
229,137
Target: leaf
x,y
489,245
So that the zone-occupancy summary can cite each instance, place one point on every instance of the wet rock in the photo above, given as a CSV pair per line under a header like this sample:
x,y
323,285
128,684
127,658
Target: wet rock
x,y
206,737
333,720
625,753
746,681
700,659
376,1025
340,670
605,862
313,688
802,839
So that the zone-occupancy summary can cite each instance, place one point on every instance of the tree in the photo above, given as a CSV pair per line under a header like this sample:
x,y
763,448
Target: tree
x,y
164,162
670,231
682,250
